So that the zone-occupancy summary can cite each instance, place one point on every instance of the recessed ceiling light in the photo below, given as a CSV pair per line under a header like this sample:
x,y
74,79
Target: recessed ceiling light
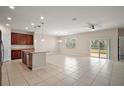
x,y
41,17
12,7
7,24
26,28
32,24
42,40
9,18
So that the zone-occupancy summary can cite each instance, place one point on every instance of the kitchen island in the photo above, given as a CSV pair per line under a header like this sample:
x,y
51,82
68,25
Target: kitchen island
x,y
34,59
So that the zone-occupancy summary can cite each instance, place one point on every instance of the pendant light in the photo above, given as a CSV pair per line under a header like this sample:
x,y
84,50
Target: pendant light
x,y
42,29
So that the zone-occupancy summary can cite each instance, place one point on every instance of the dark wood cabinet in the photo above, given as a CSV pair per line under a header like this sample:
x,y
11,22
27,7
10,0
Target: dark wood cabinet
x,y
15,54
29,40
21,39
14,38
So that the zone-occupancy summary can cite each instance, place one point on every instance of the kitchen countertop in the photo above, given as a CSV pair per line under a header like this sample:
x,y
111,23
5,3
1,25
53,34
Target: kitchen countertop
x,y
34,59
35,51
22,49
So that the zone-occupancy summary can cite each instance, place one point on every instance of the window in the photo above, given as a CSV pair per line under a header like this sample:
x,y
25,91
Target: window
x,y
70,42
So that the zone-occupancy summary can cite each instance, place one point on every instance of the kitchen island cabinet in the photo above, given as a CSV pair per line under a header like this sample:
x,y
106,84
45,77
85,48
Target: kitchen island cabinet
x,y
34,59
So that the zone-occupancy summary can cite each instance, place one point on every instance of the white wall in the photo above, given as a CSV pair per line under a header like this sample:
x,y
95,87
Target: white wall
x,y
50,43
83,43
6,38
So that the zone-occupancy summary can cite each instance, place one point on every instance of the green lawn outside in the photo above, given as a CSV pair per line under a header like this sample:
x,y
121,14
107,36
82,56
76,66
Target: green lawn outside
x,y
97,50
95,53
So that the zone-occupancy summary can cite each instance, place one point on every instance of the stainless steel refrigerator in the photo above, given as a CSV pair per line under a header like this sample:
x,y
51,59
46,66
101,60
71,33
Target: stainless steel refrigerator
x,y
1,56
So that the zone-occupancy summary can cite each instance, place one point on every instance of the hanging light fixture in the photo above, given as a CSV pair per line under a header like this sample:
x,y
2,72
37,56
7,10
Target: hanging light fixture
x,y
42,29
41,26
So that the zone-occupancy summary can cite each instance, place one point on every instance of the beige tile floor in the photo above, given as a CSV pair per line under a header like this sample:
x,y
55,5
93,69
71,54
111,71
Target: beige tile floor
x,y
62,70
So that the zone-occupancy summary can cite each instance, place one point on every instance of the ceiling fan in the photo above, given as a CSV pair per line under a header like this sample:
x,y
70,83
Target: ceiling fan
x,y
92,26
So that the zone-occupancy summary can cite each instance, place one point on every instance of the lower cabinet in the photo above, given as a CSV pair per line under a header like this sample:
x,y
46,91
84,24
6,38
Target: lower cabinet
x,y
27,59
15,54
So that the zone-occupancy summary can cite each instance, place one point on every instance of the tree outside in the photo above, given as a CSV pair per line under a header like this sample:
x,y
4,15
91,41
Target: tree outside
x,y
98,46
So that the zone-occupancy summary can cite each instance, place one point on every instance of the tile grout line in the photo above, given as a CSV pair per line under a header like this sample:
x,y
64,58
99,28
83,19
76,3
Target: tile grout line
x,y
7,74
34,83
78,79
42,79
111,75
97,74
23,76
39,81
102,65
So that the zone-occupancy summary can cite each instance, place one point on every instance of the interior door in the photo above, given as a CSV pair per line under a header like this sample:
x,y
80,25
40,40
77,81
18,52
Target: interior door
x,y
121,48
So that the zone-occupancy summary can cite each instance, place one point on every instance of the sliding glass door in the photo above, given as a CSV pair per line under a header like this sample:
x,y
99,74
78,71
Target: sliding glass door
x,y
99,48
94,48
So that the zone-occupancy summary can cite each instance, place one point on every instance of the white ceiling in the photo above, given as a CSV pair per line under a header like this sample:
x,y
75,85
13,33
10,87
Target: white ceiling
x,y
58,19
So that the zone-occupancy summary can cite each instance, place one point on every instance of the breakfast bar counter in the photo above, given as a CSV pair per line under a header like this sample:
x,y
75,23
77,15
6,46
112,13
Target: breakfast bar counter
x,y
34,59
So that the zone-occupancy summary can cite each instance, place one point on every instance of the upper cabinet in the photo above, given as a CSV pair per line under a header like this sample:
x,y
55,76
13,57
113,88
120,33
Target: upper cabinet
x,y
29,39
21,39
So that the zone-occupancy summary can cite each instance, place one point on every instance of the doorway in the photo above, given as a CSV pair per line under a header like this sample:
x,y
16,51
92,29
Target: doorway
x,y
121,48
99,48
